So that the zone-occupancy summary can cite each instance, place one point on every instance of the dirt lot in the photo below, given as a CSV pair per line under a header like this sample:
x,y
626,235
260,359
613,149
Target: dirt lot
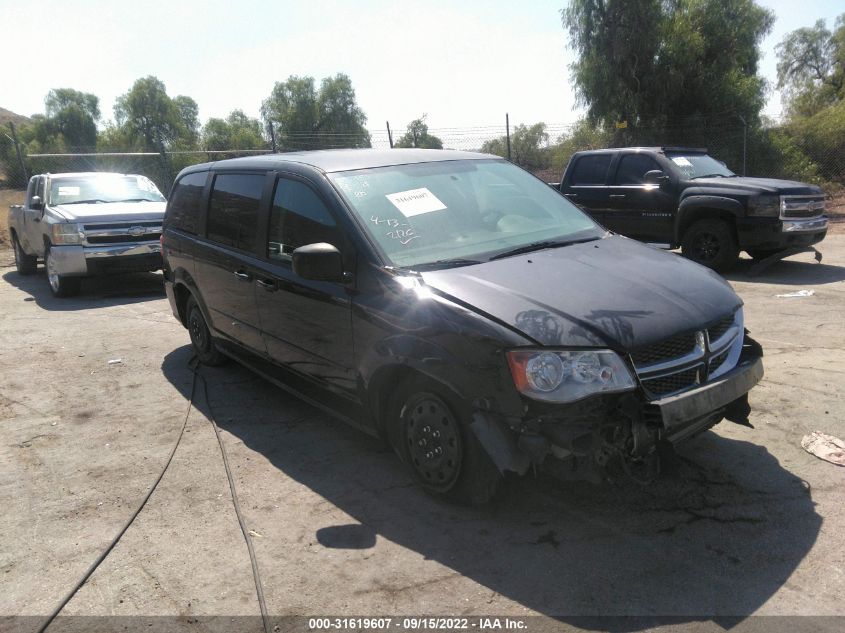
x,y
749,524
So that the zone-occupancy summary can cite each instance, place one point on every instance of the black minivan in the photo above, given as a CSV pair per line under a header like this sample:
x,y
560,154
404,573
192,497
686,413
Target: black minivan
x,y
456,306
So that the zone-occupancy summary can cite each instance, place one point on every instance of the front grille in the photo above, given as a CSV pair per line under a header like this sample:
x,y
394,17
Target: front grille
x,y
802,206
674,347
718,331
717,361
665,385
121,225
123,239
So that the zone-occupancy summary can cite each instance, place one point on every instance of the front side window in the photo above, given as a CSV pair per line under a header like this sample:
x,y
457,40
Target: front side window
x,y
298,217
633,168
185,202
427,213
95,188
233,210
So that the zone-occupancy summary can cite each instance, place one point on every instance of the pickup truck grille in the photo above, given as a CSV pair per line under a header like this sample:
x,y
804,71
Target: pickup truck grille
x,y
802,206
122,232
684,361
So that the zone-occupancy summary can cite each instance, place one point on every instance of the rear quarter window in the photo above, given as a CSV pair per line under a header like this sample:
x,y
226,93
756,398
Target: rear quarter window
x,y
184,209
590,170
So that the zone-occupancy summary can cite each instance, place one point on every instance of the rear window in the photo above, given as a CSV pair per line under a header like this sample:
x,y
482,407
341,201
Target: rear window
x,y
233,210
591,170
184,208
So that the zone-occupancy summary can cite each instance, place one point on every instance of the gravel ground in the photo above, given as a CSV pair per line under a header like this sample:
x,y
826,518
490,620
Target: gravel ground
x,y
749,523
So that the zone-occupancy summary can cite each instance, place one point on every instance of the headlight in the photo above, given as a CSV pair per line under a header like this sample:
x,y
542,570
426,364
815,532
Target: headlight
x,y
764,206
556,376
65,234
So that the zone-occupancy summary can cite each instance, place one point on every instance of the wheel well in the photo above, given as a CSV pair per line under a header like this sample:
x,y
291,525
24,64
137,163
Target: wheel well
x,y
182,295
688,219
384,383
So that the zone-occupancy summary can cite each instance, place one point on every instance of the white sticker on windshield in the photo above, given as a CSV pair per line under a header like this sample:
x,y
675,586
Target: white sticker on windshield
x,y
681,161
68,191
415,202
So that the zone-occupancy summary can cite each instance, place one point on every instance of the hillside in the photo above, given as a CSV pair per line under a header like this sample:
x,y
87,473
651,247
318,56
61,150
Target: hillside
x,y
8,115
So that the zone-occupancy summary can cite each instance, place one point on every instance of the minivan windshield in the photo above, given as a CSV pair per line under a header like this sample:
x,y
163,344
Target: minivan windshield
x,y
92,188
696,165
458,212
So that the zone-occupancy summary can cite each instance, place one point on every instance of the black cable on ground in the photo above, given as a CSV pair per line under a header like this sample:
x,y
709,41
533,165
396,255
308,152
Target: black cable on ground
x,y
262,605
193,364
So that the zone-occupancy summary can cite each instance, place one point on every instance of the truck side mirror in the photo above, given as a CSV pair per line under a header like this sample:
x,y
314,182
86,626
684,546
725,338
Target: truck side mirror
x,y
655,177
36,203
319,262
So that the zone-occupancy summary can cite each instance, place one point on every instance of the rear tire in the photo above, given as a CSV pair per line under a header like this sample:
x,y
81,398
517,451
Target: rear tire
x,y
430,431
60,285
201,340
25,264
711,243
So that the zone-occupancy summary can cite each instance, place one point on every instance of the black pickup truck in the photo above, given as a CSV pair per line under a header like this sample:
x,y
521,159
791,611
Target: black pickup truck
x,y
682,197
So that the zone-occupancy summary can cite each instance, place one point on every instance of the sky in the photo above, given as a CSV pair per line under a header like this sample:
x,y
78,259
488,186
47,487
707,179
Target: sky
x,y
462,63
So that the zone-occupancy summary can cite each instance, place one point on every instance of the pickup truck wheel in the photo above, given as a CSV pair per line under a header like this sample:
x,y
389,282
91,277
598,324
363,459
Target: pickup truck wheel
x,y
60,285
712,244
25,264
201,339
442,452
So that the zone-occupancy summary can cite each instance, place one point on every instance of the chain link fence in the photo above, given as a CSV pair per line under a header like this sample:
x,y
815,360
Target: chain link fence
x,y
544,150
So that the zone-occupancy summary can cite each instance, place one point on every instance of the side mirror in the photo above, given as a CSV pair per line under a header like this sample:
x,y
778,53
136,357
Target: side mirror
x,y
319,262
36,203
655,177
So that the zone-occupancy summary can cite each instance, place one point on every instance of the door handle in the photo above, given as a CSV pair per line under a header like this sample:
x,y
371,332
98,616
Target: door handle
x,y
269,286
571,195
617,196
242,276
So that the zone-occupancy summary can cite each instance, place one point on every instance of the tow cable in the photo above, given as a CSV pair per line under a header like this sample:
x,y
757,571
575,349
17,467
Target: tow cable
x,y
193,363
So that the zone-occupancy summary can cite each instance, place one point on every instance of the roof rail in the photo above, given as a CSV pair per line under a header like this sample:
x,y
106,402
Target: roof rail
x,y
698,150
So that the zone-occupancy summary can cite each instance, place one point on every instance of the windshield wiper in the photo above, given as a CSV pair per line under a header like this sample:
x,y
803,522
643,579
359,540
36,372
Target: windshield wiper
x,y
91,201
536,246
444,263
135,200
710,176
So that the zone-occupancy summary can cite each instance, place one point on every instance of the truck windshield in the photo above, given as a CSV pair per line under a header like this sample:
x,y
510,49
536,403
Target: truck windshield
x,y
90,188
696,165
460,212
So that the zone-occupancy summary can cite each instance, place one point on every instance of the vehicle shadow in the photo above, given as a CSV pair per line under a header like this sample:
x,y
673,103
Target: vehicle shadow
x,y
799,270
96,292
711,541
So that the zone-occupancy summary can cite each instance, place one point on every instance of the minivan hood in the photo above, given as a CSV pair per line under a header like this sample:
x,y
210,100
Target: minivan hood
x,y
759,185
117,211
612,292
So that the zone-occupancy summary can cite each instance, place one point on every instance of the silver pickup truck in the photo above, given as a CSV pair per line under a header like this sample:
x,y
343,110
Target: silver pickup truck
x,y
89,223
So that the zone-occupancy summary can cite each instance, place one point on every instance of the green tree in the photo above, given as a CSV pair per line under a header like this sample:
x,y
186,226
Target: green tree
x,y
583,135
152,120
651,61
811,67
236,132
307,118
416,135
529,147
72,115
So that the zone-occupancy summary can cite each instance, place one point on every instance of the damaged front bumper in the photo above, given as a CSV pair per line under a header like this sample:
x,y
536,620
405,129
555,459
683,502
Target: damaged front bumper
x,y
577,441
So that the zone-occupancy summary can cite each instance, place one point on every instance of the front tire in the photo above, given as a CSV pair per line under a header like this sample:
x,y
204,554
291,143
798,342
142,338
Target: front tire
x,y
25,264
60,285
201,340
431,434
711,243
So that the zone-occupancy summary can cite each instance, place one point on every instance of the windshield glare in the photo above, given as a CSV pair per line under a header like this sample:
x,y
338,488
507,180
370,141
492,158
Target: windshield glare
x,y
104,188
465,209
698,165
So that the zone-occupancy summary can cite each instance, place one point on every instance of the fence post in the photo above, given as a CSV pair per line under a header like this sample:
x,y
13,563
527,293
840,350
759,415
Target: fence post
x,y
18,152
508,133
272,136
744,143
389,134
